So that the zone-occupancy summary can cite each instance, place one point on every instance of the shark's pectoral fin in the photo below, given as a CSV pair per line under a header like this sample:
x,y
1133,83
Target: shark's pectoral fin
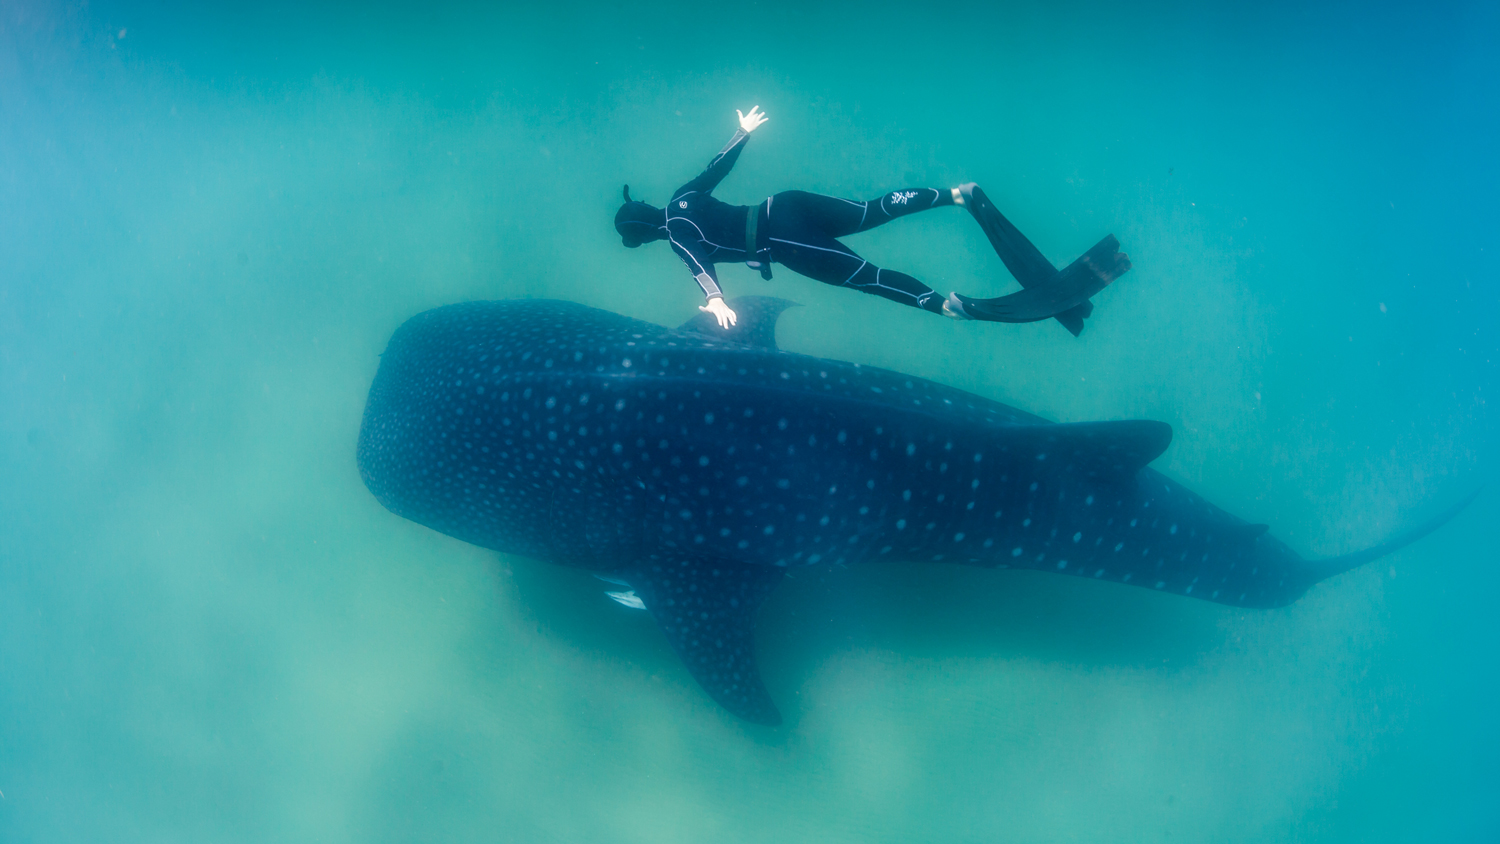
x,y
707,610
755,323
1104,451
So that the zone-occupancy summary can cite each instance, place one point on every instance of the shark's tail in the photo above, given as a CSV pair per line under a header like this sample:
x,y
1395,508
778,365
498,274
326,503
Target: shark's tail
x,y
1330,566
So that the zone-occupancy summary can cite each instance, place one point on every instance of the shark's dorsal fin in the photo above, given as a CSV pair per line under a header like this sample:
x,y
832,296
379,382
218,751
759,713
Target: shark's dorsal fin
x,y
1245,532
1103,451
755,324
706,608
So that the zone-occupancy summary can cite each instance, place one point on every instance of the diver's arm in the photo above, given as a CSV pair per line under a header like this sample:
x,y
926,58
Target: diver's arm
x,y
717,169
701,268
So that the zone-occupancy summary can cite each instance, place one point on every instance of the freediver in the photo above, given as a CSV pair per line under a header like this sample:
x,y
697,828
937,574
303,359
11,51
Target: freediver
x,y
800,231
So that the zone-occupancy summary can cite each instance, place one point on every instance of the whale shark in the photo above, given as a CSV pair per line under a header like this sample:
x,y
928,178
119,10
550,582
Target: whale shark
x,y
694,467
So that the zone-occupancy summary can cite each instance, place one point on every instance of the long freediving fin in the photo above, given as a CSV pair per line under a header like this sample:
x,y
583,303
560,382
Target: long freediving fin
x,y
706,608
1019,255
1073,319
1047,292
1067,290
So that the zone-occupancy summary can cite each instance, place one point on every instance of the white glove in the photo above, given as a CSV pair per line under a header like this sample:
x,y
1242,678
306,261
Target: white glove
x,y
721,312
749,122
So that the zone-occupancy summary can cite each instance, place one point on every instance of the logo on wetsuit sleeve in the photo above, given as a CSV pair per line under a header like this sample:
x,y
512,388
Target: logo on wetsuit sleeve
x,y
682,204
900,196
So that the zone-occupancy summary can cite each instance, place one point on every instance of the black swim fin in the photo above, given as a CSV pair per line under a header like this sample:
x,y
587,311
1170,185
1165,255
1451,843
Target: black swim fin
x,y
1073,319
1062,294
1048,293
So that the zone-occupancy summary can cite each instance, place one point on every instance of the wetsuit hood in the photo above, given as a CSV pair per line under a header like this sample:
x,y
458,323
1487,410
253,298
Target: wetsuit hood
x,y
639,222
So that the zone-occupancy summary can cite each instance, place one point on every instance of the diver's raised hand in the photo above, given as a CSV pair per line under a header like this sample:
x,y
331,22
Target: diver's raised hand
x,y
721,312
749,122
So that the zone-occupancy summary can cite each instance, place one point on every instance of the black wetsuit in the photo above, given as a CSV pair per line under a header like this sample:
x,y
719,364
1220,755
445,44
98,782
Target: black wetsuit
x,y
796,229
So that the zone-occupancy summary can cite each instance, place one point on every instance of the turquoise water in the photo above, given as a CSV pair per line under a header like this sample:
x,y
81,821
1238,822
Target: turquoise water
x,y
211,221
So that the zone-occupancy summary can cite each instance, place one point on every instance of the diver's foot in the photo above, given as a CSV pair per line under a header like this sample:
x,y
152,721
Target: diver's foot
x,y
952,308
962,193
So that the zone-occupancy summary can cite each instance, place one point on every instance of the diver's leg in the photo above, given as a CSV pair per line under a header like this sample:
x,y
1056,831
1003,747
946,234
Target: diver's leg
x,y
824,259
836,217
898,287
899,203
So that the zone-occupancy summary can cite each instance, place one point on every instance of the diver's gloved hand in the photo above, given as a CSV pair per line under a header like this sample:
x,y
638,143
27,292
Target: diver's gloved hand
x,y
721,312
750,121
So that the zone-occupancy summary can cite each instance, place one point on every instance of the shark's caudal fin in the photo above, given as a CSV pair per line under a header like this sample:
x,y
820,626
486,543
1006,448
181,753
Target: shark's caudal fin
x,y
755,324
1330,566
707,610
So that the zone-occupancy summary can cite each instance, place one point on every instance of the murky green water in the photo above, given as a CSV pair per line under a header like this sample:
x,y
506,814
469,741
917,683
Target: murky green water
x,y
210,222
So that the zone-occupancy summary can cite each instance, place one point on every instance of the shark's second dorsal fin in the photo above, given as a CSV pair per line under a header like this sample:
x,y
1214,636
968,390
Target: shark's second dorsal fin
x,y
1243,532
1104,451
755,323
